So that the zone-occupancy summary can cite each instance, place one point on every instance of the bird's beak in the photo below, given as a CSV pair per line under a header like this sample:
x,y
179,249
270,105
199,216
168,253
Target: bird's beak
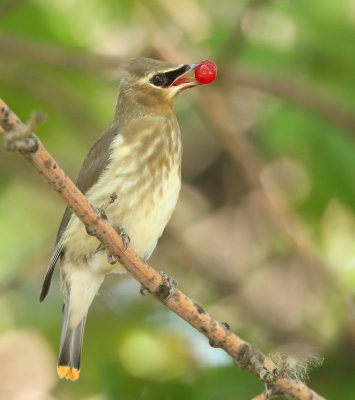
x,y
186,79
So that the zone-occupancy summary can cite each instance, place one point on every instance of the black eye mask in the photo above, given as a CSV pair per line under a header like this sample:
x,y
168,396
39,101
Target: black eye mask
x,y
165,79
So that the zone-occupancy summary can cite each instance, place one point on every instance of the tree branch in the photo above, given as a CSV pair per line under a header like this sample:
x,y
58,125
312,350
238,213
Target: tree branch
x,y
19,136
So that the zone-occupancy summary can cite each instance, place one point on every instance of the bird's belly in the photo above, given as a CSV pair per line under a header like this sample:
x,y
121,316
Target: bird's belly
x,y
145,219
143,214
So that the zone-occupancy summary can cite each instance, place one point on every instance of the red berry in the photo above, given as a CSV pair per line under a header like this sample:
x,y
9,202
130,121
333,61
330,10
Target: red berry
x,y
206,72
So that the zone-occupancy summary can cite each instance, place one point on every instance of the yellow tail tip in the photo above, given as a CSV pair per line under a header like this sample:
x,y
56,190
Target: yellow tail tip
x,y
67,372
62,371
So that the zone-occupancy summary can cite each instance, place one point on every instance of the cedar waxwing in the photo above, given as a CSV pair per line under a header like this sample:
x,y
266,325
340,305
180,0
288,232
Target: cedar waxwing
x,y
138,158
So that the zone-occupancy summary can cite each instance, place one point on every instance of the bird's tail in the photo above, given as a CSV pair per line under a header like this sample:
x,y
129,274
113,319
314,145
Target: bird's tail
x,y
70,348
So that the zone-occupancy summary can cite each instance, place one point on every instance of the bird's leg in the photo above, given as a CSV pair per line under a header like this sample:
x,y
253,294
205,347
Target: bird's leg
x,y
165,290
112,258
102,215
144,291
101,210
110,200
167,287
126,239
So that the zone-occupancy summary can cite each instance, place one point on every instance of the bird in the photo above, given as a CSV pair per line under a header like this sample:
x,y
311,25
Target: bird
x,y
133,173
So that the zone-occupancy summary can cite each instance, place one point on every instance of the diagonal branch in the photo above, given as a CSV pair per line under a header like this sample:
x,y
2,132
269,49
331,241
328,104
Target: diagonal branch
x,y
219,334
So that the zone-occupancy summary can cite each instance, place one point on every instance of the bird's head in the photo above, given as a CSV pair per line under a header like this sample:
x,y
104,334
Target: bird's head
x,y
155,83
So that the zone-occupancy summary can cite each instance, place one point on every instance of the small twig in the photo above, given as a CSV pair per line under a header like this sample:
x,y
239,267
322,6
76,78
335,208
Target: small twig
x,y
21,138
248,357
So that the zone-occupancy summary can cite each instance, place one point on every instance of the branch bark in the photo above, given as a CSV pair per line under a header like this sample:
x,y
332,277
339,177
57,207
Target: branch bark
x,y
20,137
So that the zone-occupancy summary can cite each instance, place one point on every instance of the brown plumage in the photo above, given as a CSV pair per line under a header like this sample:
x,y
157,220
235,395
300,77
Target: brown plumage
x,y
139,159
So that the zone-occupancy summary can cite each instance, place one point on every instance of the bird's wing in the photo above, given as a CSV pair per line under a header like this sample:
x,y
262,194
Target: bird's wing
x,y
90,171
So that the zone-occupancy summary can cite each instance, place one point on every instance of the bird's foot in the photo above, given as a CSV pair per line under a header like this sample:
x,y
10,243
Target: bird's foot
x,y
144,291
126,239
113,258
102,215
167,287
101,210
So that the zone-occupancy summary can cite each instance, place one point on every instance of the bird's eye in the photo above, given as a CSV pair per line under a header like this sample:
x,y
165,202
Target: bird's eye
x,y
159,80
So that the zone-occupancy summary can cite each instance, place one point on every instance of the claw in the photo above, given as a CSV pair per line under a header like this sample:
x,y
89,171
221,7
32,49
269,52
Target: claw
x,y
89,231
126,239
144,291
112,258
167,287
102,215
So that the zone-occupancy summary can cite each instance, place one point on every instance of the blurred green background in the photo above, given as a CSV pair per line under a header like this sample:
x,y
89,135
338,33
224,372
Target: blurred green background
x,y
263,235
